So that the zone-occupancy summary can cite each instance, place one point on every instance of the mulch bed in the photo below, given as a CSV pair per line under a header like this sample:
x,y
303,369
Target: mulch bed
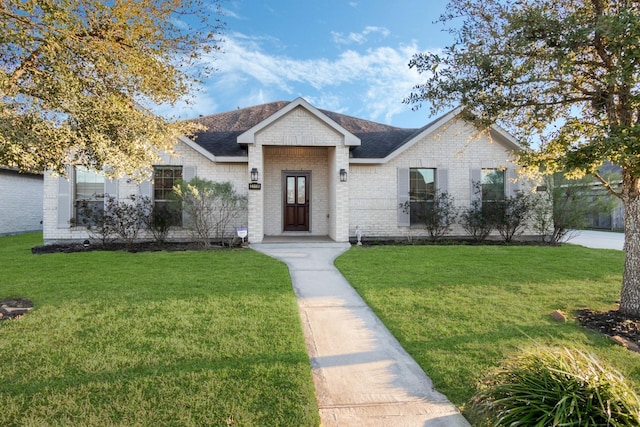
x,y
136,247
613,324
14,307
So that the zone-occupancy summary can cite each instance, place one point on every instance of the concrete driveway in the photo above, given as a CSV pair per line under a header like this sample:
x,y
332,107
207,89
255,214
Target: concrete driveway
x,y
597,239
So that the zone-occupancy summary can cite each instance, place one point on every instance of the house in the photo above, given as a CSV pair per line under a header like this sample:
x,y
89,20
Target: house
x,y
609,210
21,196
311,172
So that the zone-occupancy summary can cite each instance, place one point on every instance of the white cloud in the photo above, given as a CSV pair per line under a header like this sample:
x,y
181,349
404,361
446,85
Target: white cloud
x,y
368,83
228,13
359,38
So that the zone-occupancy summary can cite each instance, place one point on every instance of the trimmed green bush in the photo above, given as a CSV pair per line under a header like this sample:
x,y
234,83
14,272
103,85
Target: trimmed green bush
x,y
555,387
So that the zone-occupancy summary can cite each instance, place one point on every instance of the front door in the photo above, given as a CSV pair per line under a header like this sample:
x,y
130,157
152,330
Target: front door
x,y
296,201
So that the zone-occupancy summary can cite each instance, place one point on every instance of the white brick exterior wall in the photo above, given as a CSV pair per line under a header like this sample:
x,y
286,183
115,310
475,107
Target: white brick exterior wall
x,y
300,140
455,146
184,156
20,202
299,128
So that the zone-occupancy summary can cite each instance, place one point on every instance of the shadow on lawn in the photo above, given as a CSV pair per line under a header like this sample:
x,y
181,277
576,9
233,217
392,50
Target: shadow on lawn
x,y
240,365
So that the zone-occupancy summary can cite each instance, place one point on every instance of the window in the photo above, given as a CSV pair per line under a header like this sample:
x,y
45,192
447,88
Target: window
x,y
89,195
422,191
492,192
164,179
492,185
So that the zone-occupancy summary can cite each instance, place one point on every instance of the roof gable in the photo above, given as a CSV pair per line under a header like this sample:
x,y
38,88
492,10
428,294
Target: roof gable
x,y
416,135
248,137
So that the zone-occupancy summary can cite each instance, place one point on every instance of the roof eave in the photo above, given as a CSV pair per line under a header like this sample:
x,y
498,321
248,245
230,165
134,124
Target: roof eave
x,y
209,155
368,161
508,140
192,144
232,159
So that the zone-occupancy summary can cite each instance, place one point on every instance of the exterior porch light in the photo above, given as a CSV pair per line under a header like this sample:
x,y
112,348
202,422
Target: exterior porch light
x,y
343,175
254,175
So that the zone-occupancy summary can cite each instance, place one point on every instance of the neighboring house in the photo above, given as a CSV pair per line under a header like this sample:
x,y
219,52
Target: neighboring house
x,y
310,172
611,217
21,196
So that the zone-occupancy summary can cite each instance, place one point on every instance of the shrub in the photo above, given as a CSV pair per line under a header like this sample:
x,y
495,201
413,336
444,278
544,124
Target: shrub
x,y
475,222
542,216
569,202
509,215
436,215
128,216
116,218
555,387
161,218
98,222
209,207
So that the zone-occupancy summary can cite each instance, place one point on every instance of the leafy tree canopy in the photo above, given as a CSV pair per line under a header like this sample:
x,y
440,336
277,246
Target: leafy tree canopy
x,y
564,73
561,73
75,75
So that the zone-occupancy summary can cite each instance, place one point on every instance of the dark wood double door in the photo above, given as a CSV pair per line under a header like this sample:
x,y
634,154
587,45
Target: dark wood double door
x,y
296,201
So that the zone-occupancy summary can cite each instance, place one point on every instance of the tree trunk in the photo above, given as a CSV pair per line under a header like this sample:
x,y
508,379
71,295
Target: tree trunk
x,y
630,294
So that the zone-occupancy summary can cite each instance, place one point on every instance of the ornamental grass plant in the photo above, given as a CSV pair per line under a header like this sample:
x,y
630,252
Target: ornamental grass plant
x,y
554,387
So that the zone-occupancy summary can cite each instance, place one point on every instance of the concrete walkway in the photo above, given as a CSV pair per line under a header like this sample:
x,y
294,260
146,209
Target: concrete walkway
x,y
362,376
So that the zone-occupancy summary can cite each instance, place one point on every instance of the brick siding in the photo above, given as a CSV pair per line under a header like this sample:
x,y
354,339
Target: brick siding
x,y
21,199
456,146
368,199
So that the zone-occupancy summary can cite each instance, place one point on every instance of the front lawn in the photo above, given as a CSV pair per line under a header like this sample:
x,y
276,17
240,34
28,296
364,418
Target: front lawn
x,y
459,310
214,337
156,338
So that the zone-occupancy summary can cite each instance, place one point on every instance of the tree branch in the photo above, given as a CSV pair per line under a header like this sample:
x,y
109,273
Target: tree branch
x,y
598,42
607,185
29,63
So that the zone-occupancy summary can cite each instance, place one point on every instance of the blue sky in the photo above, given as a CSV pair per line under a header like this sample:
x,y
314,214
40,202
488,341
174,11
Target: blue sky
x,y
348,56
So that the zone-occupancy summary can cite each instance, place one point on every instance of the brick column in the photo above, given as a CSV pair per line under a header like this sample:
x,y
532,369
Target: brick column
x,y
341,214
256,197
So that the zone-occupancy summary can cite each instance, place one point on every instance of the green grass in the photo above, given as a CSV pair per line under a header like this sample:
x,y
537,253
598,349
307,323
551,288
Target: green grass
x,y
156,338
203,338
460,310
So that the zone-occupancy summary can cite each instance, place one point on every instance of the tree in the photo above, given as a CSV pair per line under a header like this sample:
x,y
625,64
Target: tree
x,y
75,78
563,77
562,206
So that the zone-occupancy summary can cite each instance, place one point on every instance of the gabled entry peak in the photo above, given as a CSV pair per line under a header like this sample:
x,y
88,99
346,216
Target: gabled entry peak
x,y
248,137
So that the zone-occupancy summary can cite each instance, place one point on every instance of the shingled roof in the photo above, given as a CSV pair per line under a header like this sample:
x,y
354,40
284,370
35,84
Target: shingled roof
x,y
222,130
